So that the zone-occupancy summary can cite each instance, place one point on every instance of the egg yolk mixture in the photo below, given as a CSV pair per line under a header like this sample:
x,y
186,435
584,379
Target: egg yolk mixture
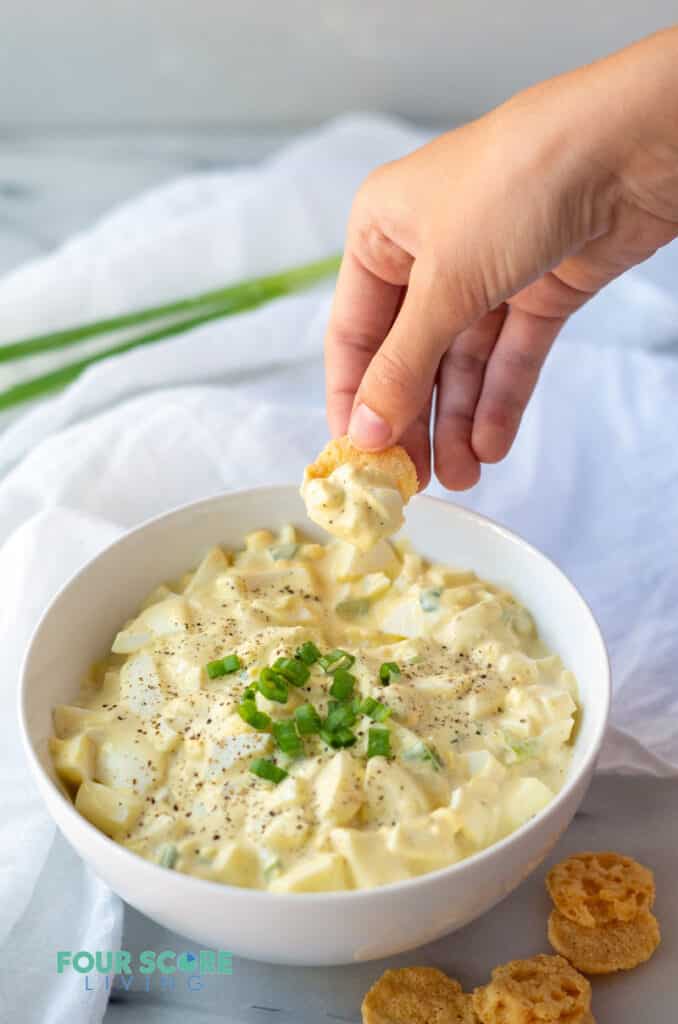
x,y
300,717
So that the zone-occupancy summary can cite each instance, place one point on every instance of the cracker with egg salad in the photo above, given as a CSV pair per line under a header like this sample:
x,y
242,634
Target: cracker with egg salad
x,y
393,462
417,995
540,990
605,949
592,889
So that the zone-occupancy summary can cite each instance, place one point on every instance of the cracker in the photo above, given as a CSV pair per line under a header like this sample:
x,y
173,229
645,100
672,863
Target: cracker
x,y
393,462
616,946
594,888
541,990
417,995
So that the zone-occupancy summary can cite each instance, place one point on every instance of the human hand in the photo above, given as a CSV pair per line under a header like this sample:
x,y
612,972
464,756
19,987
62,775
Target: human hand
x,y
464,259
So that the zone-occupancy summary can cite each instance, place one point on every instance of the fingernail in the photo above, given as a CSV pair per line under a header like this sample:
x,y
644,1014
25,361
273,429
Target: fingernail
x,y
367,429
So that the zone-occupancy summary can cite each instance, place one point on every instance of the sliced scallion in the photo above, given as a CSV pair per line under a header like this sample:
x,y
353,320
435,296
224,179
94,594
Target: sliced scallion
x,y
286,737
378,742
335,660
308,720
293,670
387,671
339,738
267,769
272,686
250,713
342,684
308,653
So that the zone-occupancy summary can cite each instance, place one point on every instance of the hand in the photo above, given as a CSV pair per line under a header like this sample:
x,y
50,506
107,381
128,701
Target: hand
x,y
464,259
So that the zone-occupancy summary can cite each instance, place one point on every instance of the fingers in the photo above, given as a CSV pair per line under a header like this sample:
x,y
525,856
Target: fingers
x,y
417,442
510,376
460,381
399,380
363,310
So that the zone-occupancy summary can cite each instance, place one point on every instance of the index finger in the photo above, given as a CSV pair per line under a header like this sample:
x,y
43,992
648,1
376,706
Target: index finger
x,y
363,311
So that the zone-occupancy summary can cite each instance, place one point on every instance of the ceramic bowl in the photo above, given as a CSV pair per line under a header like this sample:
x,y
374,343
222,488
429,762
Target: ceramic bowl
x,y
325,928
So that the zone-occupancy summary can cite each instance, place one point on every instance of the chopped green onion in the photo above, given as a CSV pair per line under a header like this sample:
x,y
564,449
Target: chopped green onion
x,y
352,607
342,685
280,551
293,670
340,716
250,713
374,709
308,653
420,752
272,686
249,693
307,719
378,742
168,856
335,660
339,738
223,666
287,739
272,868
267,769
215,669
522,750
387,671
430,599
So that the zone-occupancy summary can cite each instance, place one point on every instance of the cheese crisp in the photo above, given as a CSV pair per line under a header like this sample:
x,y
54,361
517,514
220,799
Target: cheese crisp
x,y
300,717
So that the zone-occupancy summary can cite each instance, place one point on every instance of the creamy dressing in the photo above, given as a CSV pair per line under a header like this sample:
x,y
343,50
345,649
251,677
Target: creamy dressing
x,y
358,505
156,754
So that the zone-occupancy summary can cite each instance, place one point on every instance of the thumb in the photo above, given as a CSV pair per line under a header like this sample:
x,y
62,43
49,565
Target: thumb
x,y
398,382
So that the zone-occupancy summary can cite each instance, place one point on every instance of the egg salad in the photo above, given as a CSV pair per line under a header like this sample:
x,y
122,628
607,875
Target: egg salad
x,y
299,717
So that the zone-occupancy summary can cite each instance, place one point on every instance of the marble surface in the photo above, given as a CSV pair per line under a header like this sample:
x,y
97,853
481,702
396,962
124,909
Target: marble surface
x,y
635,815
53,184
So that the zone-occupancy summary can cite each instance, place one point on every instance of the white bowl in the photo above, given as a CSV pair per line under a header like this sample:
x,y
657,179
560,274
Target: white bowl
x,y
324,928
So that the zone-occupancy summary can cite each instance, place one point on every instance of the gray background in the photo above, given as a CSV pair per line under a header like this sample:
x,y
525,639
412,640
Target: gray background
x,y
79,63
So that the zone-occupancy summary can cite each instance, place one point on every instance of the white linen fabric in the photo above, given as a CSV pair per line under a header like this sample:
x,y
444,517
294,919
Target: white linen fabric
x,y
593,478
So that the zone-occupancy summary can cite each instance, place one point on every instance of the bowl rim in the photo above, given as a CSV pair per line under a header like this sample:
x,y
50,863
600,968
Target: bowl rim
x,y
264,896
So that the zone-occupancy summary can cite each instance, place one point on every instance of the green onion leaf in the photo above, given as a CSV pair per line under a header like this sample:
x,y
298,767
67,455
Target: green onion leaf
x,y
308,653
307,719
281,551
249,693
267,769
272,686
430,599
378,742
342,685
420,752
352,607
375,710
168,856
223,666
339,738
250,713
286,737
335,660
215,669
340,716
387,671
293,670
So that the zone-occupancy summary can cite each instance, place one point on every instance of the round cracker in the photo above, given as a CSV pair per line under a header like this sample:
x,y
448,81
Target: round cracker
x,y
417,995
393,462
596,888
616,946
541,990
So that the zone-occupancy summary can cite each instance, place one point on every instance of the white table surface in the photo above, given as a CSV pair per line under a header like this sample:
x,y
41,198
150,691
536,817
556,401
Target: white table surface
x,y
633,815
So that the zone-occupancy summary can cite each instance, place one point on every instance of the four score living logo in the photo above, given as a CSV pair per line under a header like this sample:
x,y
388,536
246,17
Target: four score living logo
x,y
167,970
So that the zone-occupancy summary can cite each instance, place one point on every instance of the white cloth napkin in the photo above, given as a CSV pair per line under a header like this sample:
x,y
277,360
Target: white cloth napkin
x,y
593,479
